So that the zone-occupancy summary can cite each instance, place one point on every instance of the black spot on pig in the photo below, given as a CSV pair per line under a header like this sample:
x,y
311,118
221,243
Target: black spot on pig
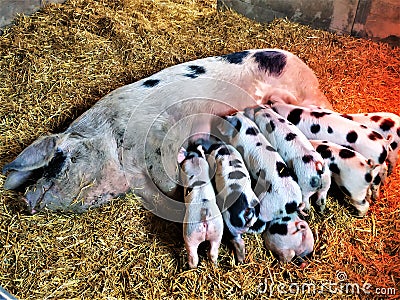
x,y
277,228
334,168
352,136
55,165
330,130
223,151
270,127
282,169
238,203
195,71
363,126
290,136
258,225
373,136
347,116
151,83
235,186
377,180
398,132
376,118
252,131
393,145
346,153
295,116
307,158
382,156
291,207
368,177
270,61
258,144
286,219
269,148
235,58
238,126
387,124
324,151
236,175
235,163
198,183
315,128
318,115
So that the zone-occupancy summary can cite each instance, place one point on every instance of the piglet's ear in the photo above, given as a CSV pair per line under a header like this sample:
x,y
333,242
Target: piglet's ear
x,y
181,155
249,113
227,125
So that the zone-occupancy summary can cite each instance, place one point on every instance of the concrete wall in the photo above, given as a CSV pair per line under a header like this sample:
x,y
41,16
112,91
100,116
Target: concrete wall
x,y
376,19
10,8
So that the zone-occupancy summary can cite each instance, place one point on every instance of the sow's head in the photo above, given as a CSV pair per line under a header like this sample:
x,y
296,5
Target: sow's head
x,y
59,171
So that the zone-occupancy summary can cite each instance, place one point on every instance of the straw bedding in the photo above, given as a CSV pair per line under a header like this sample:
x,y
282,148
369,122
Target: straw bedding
x,y
57,63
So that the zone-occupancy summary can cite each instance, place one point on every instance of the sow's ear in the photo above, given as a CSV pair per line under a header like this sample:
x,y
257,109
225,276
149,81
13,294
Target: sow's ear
x,y
36,156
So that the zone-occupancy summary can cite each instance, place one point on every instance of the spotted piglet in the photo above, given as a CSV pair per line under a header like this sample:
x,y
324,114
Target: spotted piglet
x,y
295,149
387,124
279,194
322,124
203,220
233,187
351,171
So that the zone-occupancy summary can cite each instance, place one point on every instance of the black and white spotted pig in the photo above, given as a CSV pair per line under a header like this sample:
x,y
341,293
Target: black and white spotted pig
x,y
130,138
351,171
295,149
387,124
279,194
234,193
322,124
203,219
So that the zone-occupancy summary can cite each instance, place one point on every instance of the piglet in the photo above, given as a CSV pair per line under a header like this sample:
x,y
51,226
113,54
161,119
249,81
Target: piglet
x,y
295,149
387,124
351,171
233,187
203,219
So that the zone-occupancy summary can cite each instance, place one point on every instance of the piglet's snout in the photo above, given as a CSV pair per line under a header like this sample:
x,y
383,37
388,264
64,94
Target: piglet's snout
x,y
248,215
315,181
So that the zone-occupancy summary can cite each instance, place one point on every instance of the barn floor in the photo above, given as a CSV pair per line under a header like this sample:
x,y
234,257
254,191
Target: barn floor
x,y
57,63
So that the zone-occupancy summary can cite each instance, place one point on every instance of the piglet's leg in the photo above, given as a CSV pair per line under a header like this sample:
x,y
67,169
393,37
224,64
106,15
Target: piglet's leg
x,y
193,257
321,200
213,254
240,250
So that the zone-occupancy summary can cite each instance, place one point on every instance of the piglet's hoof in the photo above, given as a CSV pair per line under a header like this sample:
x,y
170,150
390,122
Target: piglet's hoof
x,y
301,208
